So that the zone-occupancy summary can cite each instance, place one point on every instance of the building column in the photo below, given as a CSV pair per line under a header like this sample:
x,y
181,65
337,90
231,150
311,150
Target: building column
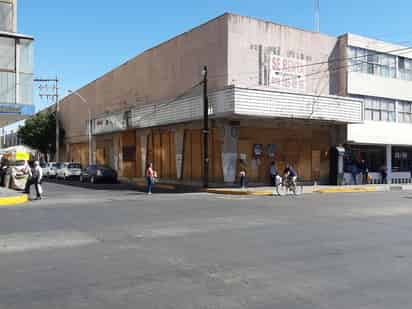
x,y
179,141
117,152
389,162
229,152
143,151
94,146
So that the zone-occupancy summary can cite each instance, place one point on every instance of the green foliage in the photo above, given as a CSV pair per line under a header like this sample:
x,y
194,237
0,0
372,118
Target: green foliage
x,y
39,132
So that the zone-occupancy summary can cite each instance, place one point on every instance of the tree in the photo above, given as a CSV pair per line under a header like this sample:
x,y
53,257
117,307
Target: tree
x,y
39,132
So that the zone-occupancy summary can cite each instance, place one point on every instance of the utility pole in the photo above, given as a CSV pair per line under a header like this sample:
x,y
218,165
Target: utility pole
x,y
317,15
205,131
52,92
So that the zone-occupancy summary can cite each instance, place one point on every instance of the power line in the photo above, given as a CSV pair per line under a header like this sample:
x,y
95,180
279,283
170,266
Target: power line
x,y
328,61
180,96
322,71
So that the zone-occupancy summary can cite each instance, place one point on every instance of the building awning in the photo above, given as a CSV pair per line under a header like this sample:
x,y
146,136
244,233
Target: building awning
x,y
246,102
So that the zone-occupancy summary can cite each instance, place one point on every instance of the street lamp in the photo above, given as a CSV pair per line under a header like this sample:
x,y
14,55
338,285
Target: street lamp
x,y
90,123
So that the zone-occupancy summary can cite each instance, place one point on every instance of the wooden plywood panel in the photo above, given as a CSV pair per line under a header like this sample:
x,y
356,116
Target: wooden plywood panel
x,y
217,157
138,167
252,171
129,138
100,156
157,152
305,161
315,164
172,143
197,157
129,169
187,156
165,154
149,155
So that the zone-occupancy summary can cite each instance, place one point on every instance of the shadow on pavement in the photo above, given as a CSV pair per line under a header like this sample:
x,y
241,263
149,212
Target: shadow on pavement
x,y
98,186
121,186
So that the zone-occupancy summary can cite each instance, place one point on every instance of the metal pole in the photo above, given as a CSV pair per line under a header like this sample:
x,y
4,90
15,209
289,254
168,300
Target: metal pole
x,y
205,131
57,123
90,136
89,123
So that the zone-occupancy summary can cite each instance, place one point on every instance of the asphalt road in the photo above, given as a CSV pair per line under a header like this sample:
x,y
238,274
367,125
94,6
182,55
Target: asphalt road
x,y
87,248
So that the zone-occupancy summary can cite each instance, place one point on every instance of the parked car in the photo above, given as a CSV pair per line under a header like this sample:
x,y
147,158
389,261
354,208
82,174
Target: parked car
x,y
98,173
44,167
51,170
68,170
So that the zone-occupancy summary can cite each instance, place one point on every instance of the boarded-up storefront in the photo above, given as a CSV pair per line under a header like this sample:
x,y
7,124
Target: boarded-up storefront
x,y
161,151
306,148
193,156
79,153
129,149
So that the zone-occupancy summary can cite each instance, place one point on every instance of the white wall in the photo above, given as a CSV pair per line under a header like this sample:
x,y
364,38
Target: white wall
x,y
379,132
377,86
377,45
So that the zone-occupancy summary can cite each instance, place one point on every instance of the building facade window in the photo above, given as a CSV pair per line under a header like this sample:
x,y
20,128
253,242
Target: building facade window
x,y
6,16
405,112
371,62
405,68
401,159
379,109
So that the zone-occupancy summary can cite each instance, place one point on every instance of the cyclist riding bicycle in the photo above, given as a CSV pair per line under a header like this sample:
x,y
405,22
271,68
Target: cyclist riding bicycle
x,y
290,173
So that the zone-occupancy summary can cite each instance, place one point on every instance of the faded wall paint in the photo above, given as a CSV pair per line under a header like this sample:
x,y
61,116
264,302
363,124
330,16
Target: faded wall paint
x,y
160,73
249,37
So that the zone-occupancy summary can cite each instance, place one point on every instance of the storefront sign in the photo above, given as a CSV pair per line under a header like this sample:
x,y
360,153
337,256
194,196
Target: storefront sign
x,y
271,150
287,73
257,150
110,123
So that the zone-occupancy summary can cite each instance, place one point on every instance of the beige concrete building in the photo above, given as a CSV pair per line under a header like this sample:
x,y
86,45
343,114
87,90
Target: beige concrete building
x,y
272,96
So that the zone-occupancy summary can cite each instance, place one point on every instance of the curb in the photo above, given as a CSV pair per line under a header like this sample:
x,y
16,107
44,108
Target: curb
x,y
346,190
14,200
232,192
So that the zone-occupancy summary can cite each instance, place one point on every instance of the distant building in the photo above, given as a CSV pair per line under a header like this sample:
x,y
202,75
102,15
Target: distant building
x,y
16,67
275,93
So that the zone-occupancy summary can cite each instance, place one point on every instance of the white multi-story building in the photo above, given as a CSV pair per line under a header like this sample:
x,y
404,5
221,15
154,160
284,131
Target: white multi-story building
x,y
380,74
16,67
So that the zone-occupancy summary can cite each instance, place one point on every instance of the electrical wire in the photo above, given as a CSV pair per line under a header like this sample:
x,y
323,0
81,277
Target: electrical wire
x,y
327,61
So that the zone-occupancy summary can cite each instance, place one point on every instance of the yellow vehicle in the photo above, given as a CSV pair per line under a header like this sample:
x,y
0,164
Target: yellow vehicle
x,y
15,166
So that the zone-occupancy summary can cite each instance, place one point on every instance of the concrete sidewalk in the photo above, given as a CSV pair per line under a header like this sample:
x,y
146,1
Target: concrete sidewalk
x,y
10,197
268,191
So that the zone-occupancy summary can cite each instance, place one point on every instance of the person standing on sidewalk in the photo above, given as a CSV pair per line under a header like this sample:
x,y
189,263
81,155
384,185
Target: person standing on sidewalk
x,y
150,177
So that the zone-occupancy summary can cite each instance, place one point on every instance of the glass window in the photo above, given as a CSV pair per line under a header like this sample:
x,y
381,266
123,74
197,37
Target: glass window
x,y
379,109
6,17
26,88
405,112
8,54
401,159
372,62
26,56
405,68
7,88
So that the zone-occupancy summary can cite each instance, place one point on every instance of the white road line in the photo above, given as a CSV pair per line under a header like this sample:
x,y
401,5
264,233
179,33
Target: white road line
x,y
179,229
20,242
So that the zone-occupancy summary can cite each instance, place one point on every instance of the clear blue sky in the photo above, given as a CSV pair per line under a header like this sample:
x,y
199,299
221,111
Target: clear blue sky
x,y
80,40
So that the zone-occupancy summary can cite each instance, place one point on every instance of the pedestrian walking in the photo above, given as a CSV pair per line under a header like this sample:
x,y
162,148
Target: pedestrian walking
x,y
364,171
384,174
150,177
354,172
35,178
242,175
273,173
